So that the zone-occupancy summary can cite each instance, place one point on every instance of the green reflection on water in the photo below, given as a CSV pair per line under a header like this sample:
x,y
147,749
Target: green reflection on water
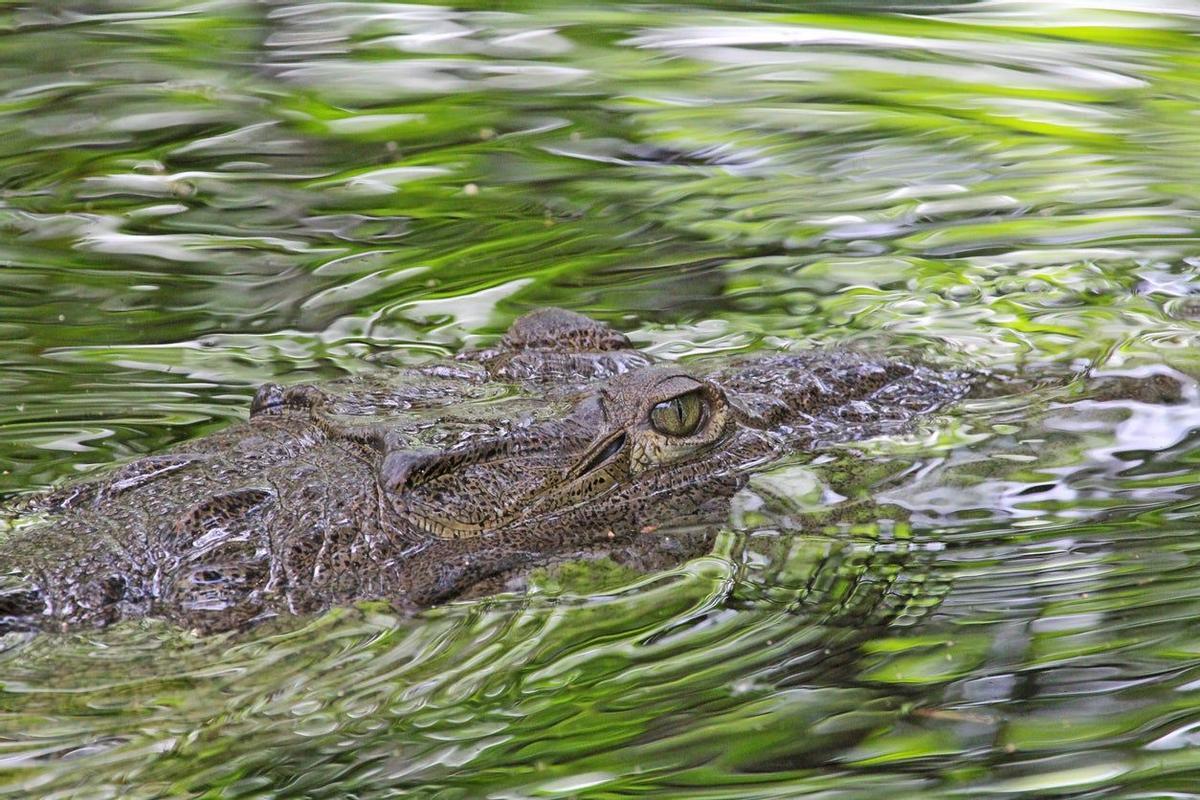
x,y
198,198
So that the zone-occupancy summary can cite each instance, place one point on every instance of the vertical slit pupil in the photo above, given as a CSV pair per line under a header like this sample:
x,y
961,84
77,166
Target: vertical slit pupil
x,y
678,416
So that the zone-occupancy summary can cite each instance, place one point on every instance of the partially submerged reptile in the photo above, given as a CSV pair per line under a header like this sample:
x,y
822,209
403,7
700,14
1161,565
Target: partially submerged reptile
x,y
421,485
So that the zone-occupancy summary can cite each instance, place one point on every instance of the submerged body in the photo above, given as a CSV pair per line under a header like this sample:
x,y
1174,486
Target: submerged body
x,y
424,484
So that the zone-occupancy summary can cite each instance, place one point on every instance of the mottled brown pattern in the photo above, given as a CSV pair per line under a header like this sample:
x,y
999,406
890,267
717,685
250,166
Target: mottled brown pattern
x,y
420,485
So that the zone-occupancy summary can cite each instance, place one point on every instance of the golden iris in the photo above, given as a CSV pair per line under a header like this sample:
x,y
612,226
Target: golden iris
x,y
679,416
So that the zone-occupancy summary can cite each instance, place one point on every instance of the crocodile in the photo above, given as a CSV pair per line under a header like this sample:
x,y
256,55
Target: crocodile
x,y
454,478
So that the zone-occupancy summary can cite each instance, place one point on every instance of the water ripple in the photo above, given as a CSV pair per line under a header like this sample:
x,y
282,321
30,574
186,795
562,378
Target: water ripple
x,y
196,198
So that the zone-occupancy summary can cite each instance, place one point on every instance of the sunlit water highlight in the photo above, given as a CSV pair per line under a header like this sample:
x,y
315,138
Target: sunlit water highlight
x,y
196,198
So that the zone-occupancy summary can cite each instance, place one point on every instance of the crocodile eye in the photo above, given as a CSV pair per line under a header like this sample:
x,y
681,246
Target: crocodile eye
x,y
679,416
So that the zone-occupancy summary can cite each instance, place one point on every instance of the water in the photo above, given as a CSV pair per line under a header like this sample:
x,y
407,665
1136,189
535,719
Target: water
x,y
196,198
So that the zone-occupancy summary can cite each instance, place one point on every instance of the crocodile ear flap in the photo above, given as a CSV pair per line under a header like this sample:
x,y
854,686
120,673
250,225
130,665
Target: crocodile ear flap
x,y
403,469
453,493
408,469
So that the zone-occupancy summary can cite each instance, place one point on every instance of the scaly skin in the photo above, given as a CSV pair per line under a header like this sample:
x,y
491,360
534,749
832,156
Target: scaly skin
x,y
418,486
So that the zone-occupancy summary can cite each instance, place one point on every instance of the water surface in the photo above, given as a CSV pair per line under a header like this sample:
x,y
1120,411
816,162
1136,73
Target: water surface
x,y
198,197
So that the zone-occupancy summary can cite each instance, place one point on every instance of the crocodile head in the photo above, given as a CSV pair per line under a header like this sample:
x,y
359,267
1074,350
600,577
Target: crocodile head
x,y
641,445
647,430
421,484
